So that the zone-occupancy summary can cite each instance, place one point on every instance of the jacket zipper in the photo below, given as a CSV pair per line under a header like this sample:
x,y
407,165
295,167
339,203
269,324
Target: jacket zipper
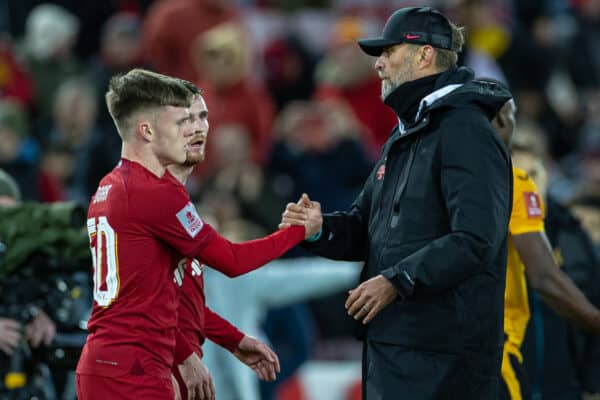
x,y
413,151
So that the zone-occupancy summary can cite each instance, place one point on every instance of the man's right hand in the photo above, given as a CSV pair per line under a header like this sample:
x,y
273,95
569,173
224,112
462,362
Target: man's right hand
x,y
10,335
197,379
304,212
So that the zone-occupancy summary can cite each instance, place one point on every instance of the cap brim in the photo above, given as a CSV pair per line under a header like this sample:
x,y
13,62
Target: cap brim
x,y
374,47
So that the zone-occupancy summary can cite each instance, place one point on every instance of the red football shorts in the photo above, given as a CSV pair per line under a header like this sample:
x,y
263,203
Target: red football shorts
x,y
127,387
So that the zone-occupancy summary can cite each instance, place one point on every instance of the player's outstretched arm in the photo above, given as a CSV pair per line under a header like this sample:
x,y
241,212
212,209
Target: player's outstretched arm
x,y
234,259
553,285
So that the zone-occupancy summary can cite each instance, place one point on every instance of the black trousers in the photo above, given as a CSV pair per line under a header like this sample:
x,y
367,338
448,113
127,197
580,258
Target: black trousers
x,y
398,373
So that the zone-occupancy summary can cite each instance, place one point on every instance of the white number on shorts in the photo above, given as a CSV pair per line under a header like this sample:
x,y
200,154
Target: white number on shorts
x,y
106,264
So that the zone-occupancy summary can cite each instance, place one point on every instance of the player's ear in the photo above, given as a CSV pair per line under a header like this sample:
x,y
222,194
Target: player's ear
x,y
145,130
501,119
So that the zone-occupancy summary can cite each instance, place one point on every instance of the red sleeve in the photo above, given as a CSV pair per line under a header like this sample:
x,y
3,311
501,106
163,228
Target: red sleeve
x,y
182,348
234,259
176,221
221,331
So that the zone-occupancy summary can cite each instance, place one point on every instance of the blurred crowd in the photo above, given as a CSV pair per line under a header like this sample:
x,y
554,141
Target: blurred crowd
x,y
293,106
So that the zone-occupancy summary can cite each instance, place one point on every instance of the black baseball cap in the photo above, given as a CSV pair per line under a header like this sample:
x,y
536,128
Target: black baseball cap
x,y
418,25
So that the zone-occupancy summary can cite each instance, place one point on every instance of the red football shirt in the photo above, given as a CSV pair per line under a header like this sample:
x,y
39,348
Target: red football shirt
x,y
137,223
195,320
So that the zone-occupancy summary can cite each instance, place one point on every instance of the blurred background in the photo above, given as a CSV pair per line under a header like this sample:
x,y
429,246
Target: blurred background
x,y
294,107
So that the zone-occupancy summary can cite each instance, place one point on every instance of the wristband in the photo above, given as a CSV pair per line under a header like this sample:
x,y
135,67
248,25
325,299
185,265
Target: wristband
x,y
315,237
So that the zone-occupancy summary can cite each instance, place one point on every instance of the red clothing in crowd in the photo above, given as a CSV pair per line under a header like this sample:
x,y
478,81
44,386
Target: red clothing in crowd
x,y
247,104
376,117
15,82
137,223
170,28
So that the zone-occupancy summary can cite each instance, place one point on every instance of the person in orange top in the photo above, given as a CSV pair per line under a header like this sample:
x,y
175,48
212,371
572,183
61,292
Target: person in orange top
x,y
530,256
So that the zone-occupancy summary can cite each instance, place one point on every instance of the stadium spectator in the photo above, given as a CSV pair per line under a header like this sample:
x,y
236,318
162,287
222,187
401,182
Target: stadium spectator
x,y
41,330
15,82
222,54
120,51
167,46
19,155
346,73
48,54
289,66
74,156
319,150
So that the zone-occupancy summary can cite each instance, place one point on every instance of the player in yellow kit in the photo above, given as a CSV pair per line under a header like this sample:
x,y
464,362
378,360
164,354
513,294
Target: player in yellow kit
x,y
527,216
530,256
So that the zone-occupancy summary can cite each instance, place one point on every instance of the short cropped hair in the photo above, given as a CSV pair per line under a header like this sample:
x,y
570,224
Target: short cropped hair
x,y
446,59
142,90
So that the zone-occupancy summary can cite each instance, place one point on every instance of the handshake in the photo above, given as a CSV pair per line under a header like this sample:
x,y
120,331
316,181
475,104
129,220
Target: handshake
x,y
306,213
366,300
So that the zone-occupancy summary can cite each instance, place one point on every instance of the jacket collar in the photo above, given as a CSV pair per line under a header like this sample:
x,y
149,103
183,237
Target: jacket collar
x,y
411,99
404,100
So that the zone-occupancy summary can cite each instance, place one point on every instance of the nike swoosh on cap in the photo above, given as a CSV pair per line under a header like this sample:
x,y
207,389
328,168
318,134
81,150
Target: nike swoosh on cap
x,y
409,36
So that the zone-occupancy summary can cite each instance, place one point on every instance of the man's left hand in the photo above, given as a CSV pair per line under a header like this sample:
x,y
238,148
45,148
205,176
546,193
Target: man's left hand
x,y
259,357
370,297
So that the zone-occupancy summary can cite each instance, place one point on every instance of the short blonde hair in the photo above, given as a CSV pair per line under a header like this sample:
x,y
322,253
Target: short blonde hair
x,y
141,90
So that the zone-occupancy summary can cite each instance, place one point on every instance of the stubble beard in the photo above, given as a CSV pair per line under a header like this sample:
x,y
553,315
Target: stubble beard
x,y
387,87
193,158
392,83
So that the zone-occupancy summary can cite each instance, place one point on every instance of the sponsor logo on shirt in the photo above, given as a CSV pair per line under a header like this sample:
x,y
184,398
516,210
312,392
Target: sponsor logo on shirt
x,y
190,220
101,193
533,205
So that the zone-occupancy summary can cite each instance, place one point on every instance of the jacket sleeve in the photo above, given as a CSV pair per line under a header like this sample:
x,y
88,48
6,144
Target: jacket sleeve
x,y
476,186
344,234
